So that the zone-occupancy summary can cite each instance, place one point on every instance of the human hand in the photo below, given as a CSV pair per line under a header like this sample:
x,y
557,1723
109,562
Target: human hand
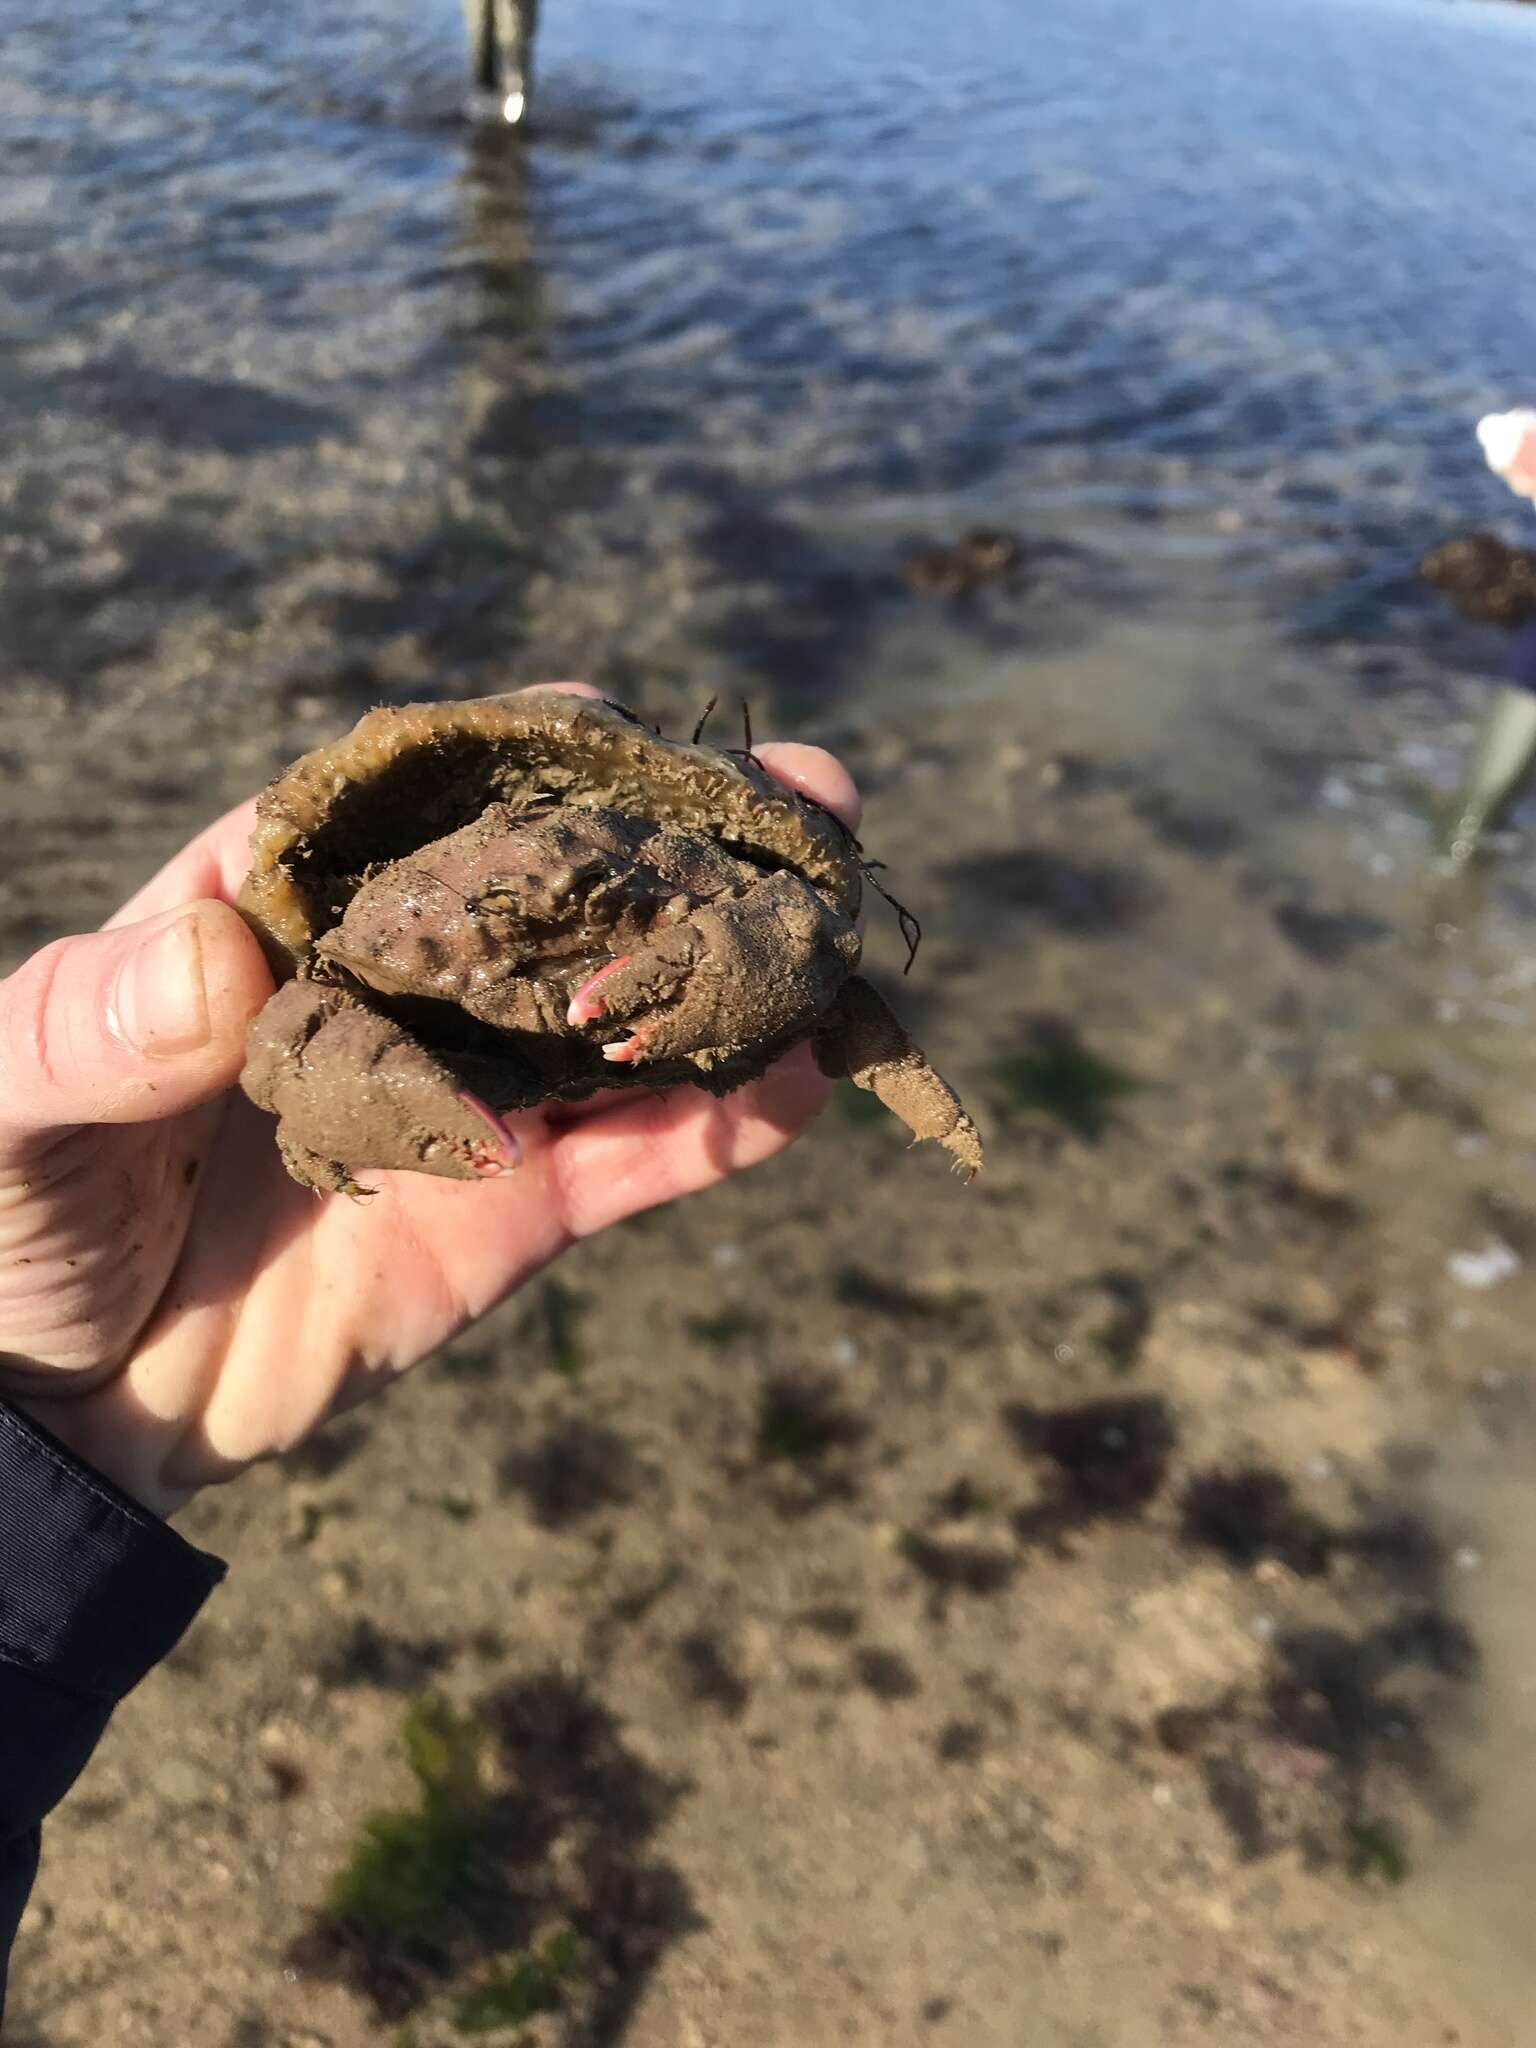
x,y
172,1305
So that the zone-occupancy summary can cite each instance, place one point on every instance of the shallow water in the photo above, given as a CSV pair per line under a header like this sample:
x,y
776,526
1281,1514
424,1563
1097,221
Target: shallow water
x,y
311,396
765,287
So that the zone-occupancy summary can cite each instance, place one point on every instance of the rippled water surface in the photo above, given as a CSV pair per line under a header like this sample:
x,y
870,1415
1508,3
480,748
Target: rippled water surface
x,y
310,395
769,286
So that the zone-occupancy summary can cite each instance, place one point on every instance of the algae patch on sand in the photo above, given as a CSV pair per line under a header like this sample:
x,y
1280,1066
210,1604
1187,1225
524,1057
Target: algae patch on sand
x,y
1060,1077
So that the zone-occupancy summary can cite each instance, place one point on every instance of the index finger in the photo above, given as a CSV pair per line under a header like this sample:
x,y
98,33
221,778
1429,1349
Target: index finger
x,y
813,772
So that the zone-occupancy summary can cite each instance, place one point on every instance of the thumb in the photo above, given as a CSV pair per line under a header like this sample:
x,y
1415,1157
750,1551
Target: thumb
x,y
128,1025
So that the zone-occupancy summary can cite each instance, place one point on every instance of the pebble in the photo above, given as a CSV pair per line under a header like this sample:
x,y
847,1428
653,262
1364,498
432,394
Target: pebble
x,y
1419,757
180,1782
843,1351
1319,1466
725,1255
1467,1558
1264,1627
1486,1268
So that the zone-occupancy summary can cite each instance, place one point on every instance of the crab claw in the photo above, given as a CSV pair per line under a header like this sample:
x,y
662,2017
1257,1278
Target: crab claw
x,y
587,1004
499,1151
738,970
623,1052
351,1088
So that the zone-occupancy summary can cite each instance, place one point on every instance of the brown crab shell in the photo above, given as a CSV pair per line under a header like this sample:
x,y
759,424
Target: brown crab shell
x,y
408,774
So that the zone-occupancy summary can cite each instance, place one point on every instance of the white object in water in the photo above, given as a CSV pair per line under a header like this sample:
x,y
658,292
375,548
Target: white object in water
x,y
1509,442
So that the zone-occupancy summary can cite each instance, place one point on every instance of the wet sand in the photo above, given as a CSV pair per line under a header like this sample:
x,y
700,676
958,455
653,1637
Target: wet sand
x,y
1093,1598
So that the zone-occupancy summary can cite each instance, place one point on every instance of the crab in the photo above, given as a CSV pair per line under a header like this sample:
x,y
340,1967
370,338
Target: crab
x,y
477,908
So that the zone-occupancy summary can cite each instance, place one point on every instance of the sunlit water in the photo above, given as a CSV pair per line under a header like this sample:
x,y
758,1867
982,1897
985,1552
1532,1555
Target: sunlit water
x,y
1161,272
308,396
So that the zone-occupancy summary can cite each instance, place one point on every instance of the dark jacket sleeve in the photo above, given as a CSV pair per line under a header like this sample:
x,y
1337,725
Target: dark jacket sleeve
x,y
1520,662
93,1592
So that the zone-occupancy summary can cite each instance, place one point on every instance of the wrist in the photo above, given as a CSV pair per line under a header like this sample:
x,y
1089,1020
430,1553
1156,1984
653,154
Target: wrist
x,y
107,1444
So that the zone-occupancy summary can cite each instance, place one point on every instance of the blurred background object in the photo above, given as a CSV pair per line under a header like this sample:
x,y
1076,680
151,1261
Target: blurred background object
x,y
1493,583
1509,442
501,34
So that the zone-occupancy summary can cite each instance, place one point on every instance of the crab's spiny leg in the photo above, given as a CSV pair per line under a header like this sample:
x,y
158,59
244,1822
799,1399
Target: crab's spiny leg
x,y
867,1044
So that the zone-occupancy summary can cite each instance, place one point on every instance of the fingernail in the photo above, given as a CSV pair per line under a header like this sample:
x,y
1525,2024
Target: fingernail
x,y
160,999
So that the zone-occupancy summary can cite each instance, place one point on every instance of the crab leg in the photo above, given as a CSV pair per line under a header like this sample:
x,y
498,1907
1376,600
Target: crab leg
x,y
865,1044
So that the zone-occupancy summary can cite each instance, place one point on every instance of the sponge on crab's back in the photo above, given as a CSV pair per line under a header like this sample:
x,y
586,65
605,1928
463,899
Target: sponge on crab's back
x,y
408,774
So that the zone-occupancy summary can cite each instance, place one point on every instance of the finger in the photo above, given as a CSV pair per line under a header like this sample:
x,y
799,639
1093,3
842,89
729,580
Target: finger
x,y
128,1025
814,773
212,864
650,1151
